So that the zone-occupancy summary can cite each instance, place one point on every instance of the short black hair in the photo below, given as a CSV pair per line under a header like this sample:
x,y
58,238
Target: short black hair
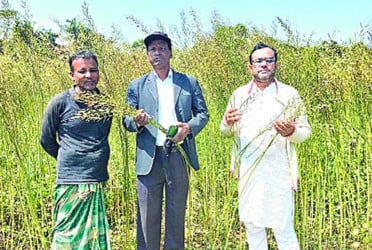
x,y
262,45
86,54
157,35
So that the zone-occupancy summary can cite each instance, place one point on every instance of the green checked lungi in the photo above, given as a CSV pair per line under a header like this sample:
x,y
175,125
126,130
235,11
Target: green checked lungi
x,y
80,218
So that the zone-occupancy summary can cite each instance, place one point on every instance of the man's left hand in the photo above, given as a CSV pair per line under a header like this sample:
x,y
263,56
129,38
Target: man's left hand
x,y
284,128
183,130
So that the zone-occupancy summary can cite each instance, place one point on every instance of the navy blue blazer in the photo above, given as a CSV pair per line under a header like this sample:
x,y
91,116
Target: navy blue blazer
x,y
190,107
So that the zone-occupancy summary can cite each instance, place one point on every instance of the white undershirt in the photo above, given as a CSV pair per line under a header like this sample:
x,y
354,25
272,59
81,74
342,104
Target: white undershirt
x,y
167,114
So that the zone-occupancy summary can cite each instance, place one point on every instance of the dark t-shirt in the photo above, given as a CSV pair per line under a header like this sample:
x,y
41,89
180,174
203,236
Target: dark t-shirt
x,y
82,150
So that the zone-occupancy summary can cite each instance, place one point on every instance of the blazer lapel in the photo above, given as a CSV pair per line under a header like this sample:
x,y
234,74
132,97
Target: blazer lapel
x,y
152,87
177,88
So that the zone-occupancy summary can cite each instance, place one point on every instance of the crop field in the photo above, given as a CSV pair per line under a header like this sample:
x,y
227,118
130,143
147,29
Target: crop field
x,y
333,206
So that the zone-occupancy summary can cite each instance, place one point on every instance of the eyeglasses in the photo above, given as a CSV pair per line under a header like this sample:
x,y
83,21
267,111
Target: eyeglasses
x,y
261,60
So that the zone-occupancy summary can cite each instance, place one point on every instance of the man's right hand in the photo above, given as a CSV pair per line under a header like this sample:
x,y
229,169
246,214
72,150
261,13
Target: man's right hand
x,y
232,115
141,118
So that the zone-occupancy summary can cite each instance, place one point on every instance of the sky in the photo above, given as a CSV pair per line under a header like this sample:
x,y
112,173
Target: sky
x,y
341,19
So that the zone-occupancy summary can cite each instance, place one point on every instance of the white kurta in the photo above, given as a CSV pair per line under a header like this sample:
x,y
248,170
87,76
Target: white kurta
x,y
265,165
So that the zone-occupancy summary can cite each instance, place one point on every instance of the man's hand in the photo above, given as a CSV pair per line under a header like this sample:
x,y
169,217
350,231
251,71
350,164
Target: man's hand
x,y
232,115
141,118
183,130
284,128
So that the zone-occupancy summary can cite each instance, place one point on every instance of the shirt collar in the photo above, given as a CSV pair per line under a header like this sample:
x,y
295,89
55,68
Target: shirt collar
x,y
253,86
169,77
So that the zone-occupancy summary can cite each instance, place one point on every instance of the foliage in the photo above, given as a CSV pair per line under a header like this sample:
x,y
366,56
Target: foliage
x,y
333,208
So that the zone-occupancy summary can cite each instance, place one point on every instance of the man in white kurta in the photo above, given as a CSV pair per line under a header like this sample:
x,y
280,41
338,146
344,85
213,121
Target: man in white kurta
x,y
266,117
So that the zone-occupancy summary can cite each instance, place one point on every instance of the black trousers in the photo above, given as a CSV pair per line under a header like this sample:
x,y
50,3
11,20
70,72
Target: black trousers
x,y
169,174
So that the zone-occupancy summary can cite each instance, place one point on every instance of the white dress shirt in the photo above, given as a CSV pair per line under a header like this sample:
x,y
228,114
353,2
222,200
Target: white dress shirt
x,y
167,114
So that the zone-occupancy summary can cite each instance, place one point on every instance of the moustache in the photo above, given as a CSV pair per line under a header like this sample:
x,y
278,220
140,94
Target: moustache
x,y
157,58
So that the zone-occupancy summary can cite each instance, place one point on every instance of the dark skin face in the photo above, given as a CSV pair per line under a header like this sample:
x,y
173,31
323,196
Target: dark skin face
x,y
85,74
159,56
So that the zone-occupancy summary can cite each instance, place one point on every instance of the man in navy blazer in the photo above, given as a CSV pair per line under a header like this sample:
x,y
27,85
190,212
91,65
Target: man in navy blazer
x,y
170,98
